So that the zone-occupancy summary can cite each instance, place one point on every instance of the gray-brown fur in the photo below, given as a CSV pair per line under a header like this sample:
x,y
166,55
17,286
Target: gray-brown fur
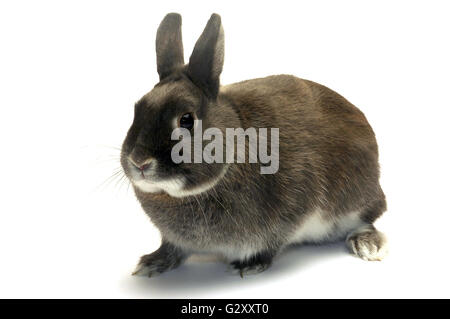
x,y
328,154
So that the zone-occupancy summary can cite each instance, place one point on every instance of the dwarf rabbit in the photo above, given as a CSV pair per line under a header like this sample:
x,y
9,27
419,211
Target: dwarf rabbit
x,y
326,187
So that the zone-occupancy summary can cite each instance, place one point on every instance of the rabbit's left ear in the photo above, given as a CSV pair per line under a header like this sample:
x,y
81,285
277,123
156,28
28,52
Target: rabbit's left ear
x,y
206,61
169,45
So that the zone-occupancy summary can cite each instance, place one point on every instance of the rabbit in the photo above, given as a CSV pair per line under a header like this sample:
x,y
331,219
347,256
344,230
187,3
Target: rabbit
x,y
326,187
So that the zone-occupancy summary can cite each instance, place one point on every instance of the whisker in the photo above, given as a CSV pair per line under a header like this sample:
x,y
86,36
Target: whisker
x,y
110,179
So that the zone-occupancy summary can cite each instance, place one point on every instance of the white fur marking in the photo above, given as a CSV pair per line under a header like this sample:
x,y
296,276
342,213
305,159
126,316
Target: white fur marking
x,y
367,249
319,227
170,185
199,189
174,186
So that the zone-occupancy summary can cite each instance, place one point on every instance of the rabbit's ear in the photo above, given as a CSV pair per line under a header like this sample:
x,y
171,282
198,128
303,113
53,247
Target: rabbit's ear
x,y
169,45
206,61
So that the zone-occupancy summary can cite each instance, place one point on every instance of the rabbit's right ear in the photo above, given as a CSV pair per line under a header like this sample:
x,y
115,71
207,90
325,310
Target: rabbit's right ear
x,y
169,45
206,61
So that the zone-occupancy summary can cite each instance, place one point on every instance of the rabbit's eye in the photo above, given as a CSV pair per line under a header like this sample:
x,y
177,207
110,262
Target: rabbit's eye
x,y
187,121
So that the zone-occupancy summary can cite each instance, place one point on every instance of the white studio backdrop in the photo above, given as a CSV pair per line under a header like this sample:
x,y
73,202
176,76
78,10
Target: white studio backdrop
x,y
70,72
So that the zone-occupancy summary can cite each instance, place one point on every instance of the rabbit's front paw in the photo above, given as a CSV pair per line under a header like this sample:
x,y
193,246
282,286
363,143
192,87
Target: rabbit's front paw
x,y
242,268
253,265
165,258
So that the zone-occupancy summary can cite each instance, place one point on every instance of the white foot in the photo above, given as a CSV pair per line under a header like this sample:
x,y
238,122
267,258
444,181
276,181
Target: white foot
x,y
367,243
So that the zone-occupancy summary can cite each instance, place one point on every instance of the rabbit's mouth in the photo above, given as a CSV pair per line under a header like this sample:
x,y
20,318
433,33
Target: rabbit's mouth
x,y
146,178
150,176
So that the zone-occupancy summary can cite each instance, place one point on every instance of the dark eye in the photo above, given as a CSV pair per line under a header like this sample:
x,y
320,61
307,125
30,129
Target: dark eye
x,y
187,121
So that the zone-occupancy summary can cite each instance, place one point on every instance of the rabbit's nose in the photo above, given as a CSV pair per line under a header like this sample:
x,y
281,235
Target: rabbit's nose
x,y
142,166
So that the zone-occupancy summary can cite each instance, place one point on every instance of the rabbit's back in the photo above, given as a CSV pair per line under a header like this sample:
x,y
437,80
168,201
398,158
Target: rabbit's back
x,y
328,151
296,105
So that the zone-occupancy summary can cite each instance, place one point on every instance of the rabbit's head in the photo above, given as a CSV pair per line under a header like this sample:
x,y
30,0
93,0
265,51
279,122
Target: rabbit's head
x,y
185,94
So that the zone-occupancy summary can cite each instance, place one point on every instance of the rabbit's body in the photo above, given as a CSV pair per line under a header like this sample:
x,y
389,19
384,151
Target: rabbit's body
x,y
326,187
247,212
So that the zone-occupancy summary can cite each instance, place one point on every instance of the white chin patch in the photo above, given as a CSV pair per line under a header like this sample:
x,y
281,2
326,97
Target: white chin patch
x,y
175,186
170,186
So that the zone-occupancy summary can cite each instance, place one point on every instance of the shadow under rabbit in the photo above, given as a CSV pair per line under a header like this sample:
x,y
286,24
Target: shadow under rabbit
x,y
202,272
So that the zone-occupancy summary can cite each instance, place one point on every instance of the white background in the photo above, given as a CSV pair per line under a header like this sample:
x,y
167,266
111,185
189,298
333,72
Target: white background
x,y
70,72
